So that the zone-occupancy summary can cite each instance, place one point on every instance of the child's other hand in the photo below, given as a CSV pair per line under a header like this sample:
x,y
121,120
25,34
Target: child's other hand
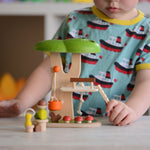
x,y
119,113
10,108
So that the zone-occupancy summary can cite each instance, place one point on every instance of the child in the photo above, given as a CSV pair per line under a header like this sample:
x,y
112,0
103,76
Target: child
x,y
122,66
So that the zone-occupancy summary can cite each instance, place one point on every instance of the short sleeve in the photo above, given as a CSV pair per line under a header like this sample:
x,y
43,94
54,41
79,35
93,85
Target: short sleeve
x,y
144,59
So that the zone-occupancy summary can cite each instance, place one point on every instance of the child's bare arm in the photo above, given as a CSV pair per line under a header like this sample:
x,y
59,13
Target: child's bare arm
x,y
36,87
138,102
140,97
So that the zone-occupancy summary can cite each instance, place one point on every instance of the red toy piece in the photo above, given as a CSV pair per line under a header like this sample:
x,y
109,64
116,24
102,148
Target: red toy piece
x,y
67,119
78,119
89,119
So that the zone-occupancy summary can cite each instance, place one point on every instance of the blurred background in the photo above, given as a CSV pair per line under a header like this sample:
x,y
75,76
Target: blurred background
x,y
22,24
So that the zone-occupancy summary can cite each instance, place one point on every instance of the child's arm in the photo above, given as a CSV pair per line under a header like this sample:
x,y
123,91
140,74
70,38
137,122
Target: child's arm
x,y
137,104
36,87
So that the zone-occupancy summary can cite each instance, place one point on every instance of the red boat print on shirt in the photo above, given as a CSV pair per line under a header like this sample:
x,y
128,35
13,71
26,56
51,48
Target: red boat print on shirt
x,y
124,67
130,86
89,58
77,95
137,33
92,111
85,11
69,36
139,52
75,34
112,44
104,79
69,20
98,24
146,48
120,97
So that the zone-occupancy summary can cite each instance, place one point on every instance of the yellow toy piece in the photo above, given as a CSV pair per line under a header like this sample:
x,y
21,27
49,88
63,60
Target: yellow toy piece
x,y
28,117
29,113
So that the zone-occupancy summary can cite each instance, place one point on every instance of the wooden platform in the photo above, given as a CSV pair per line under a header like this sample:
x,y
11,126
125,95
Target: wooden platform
x,y
74,125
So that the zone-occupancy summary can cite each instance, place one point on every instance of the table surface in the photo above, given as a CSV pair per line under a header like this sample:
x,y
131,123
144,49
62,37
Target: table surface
x,y
135,136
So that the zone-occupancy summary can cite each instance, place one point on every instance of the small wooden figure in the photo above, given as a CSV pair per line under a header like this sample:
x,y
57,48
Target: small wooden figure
x,y
54,117
41,112
41,117
29,113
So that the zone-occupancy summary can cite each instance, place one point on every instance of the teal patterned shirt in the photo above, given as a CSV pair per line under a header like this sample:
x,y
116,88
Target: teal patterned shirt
x,y
125,49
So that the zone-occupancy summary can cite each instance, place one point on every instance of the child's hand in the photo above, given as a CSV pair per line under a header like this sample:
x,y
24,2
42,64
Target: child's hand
x,y
10,108
119,113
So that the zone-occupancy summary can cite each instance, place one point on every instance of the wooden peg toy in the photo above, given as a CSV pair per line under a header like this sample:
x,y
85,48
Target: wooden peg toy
x,y
41,117
29,113
103,94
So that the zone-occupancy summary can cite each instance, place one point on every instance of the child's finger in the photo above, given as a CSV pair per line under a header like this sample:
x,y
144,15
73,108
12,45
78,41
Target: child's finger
x,y
121,116
125,121
115,112
111,105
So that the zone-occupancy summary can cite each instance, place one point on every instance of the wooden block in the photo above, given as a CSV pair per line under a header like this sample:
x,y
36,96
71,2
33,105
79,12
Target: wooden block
x,y
40,125
82,79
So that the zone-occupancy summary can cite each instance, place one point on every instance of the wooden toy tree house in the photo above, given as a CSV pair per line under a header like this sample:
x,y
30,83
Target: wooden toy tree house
x,y
60,79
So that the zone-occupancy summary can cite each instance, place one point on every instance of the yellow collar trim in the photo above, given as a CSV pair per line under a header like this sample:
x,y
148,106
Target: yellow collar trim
x,y
142,66
117,21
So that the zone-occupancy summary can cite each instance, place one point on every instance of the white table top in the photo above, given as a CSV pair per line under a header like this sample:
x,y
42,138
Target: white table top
x,y
135,136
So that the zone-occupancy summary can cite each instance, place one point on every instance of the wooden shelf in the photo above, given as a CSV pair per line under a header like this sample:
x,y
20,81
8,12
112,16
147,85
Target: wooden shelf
x,y
79,89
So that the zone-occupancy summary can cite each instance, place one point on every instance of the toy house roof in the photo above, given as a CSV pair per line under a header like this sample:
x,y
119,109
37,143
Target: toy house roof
x,y
68,46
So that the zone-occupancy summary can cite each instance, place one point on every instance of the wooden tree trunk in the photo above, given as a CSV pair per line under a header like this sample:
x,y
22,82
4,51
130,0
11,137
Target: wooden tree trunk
x,y
63,80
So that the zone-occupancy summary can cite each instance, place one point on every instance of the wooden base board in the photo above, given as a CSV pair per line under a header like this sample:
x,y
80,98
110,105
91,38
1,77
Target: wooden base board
x,y
74,125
